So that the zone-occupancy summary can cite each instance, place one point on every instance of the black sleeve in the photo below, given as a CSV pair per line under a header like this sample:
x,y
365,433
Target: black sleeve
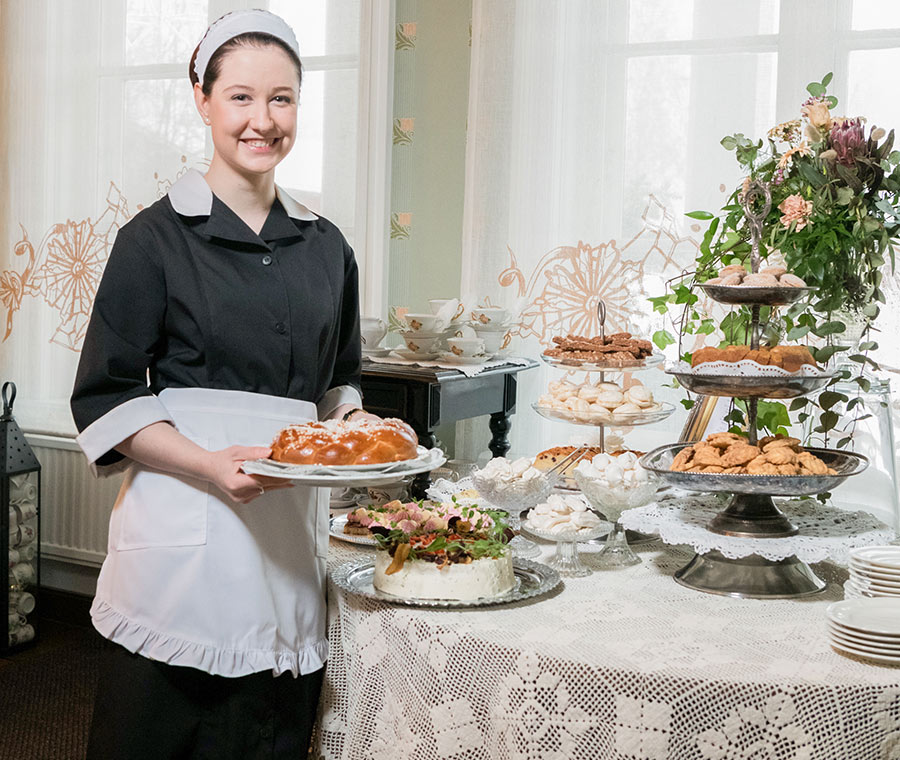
x,y
111,399
348,363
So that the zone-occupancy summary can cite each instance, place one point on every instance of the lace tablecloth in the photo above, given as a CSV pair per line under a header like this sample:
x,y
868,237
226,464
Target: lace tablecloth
x,y
623,664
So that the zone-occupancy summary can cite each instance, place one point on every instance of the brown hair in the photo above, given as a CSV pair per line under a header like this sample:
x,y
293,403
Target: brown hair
x,y
247,39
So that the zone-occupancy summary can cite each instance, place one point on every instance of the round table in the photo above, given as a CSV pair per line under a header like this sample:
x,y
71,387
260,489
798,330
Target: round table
x,y
620,664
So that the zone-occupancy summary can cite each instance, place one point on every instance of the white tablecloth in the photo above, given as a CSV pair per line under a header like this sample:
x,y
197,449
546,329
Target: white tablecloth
x,y
621,664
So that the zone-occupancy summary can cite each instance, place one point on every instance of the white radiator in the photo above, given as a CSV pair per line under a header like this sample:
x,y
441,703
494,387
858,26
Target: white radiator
x,y
75,505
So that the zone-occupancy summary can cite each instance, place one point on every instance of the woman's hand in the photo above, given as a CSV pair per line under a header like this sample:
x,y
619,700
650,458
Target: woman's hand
x,y
225,473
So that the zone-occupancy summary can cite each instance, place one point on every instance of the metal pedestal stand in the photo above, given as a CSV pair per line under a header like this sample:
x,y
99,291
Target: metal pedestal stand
x,y
752,512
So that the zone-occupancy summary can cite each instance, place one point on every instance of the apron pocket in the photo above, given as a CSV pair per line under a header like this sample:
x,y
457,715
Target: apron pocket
x,y
160,509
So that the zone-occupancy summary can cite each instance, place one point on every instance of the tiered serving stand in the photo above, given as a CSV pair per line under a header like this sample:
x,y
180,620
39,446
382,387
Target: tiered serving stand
x,y
632,538
751,511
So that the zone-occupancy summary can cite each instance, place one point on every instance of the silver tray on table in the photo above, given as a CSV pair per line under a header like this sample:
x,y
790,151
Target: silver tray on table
x,y
755,296
741,386
532,579
845,462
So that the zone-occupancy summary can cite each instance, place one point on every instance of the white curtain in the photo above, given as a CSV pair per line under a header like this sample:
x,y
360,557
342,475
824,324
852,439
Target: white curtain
x,y
594,125
99,121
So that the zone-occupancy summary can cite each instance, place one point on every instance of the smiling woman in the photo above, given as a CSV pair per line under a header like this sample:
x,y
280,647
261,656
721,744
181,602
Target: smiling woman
x,y
241,306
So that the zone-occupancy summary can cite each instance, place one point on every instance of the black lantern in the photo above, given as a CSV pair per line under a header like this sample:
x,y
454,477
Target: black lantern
x,y
20,521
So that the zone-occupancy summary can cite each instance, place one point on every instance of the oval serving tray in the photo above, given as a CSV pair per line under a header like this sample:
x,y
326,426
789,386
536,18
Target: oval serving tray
x,y
845,462
532,579
741,386
336,530
347,475
755,296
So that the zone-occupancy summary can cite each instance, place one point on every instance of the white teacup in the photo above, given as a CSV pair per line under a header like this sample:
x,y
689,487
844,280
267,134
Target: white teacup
x,y
439,303
496,341
492,315
466,346
419,344
424,323
371,331
387,492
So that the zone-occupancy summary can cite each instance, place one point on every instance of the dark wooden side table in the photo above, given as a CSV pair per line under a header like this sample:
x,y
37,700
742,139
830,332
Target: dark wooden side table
x,y
427,397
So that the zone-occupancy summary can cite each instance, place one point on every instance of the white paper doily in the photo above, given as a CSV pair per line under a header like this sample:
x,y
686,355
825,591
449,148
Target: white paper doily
x,y
745,368
826,533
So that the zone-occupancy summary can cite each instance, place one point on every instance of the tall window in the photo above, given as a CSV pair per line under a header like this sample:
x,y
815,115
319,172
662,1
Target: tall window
x,y
103,122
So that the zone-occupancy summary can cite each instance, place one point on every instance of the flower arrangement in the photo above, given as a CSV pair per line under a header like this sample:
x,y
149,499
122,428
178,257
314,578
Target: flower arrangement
x,y
833,221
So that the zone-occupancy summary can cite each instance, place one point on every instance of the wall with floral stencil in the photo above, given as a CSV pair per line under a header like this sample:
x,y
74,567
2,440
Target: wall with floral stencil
x,y
431,90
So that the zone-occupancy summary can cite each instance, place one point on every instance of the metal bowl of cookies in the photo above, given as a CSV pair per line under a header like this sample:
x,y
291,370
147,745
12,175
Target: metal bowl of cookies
x,y
756,295
728,463
744,386
770,286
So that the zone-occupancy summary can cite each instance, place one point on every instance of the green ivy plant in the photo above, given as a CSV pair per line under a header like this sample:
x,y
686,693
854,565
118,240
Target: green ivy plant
x,y
833,221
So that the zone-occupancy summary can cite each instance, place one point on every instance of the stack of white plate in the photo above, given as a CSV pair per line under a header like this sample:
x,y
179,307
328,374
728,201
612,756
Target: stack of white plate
x,y
867,628
874,571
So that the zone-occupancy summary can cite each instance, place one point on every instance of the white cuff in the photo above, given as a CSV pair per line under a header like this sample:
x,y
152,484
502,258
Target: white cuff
x,y
335,397
107,432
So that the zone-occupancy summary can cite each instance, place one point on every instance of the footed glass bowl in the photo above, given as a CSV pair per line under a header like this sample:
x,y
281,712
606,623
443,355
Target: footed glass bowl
x,y
514,497
612,501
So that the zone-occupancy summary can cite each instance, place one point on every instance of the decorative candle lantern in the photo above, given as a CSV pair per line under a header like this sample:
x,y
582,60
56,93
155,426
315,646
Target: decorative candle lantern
x,y
20,509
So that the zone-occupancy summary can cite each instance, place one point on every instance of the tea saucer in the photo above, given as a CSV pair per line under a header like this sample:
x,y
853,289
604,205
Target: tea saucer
x,y
451,358
405,353
380,351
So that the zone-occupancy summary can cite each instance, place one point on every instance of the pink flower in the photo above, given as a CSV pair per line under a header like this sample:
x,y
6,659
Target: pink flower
x,y
795,209
848,139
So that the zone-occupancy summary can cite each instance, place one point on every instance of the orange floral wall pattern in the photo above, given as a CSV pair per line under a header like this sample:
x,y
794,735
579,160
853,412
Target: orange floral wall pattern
x,y
65,268
563,289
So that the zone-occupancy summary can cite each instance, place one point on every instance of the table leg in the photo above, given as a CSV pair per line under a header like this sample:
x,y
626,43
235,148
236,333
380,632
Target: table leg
x,y
500,425
420,482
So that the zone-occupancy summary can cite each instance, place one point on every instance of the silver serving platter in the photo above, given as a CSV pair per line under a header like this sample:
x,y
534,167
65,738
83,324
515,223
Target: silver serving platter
x,y
743,386
648,362
755,296
845,462
532,579
592,418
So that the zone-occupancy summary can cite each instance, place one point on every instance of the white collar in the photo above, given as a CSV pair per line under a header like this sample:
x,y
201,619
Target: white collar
x,y
191,196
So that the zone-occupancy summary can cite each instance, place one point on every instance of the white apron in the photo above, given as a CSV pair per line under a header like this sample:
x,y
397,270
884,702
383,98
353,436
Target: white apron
x,y
192,579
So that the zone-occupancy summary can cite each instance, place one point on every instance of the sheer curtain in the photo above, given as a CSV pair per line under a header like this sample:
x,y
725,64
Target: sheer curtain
x,y
594,125
99,122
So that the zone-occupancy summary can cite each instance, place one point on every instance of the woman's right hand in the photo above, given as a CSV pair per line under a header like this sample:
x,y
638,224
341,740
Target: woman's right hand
x,y
225,473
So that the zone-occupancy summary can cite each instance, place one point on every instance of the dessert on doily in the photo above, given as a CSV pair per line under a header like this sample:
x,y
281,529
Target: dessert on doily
x,y
616,350
733,454
351,442
470,559
599,402
788,358
736,275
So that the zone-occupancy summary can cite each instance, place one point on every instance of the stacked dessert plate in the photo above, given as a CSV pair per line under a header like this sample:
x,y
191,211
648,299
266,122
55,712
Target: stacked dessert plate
x,y
866,628
874,572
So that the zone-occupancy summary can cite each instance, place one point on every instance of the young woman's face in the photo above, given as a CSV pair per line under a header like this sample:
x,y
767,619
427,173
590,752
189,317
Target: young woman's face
x,y
252,109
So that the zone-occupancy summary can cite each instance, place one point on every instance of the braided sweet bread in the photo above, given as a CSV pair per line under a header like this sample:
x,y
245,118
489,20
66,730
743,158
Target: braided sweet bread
x,y
334,442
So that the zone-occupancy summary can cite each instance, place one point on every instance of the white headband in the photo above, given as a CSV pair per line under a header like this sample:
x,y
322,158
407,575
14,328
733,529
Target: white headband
x,y
240,22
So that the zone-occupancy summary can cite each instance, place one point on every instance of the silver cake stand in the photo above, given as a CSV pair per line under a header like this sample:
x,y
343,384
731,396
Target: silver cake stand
x,y
752,512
